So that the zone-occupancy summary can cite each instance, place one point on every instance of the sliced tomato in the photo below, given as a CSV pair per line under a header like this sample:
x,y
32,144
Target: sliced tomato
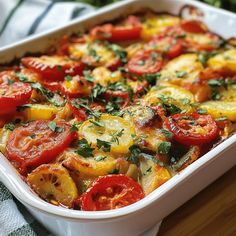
x,y
53,86
145,62
166,45
131,30
80,109
37,143
111,192
193,26
13,95
53,68
192,129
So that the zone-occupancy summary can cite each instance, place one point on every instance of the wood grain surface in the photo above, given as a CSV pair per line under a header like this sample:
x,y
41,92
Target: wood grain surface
x,y
211,212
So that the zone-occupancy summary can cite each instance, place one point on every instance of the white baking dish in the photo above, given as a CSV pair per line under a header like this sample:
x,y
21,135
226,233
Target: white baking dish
x,y
136,218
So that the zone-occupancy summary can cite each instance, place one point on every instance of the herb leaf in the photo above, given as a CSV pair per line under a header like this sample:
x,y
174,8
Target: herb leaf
x,y
84,148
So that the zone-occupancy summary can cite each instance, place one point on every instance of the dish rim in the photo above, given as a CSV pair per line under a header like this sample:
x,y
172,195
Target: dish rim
x,y
26,195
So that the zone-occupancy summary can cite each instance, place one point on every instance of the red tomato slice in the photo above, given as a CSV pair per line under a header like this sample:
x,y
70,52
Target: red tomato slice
x,y
36,144
194,26
131,30
53,68
13,95
145,62
111,192
53,86
79,109
167,45
192,129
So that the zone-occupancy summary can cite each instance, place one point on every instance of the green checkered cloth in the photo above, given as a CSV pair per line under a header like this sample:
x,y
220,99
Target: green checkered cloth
x,y
15,220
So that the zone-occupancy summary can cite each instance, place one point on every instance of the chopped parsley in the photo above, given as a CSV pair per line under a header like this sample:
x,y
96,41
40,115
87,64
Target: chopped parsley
x,y
23,107
88,76
10,126
53,126
106,146
201,111
116,135
164,148
181,74
167,133
100,158
84,148
114,172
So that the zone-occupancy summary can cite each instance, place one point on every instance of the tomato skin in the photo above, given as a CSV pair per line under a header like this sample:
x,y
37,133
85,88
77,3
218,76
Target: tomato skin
x,y
53,86
174,46
130,31
13,95
183,130
193,26
111,192
43,147
53,68
145,62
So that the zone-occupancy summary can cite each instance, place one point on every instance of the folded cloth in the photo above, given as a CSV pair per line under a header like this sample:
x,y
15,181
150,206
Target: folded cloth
x,y
19,19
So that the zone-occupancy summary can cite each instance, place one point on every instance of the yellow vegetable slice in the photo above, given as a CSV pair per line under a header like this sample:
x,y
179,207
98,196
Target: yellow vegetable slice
x,y
155,24
147,126
40,112
183,69
224,60
52,182
95,53
104,76
112,129
175,95
4,135
152,175
221,109
100,164
228,95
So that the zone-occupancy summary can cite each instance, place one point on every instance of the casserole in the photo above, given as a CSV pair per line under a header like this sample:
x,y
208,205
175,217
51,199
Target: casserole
x,y
156,205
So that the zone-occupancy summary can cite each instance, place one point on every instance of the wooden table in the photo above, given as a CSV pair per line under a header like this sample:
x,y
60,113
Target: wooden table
x,y
211,212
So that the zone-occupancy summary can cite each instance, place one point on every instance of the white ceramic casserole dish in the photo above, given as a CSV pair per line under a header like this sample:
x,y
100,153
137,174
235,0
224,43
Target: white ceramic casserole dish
x,y
137,218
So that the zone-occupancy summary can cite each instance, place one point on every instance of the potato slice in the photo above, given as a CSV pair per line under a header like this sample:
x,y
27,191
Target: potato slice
x,y
114,130
101,164
175,95
40,112
152,175
52,182
224,60
220,109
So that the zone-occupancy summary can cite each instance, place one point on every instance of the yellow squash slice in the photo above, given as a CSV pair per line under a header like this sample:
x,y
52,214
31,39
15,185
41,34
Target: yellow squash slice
x,y
225,60
114,130
175,95
53,183
40,112
90,167
221,109
155,24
